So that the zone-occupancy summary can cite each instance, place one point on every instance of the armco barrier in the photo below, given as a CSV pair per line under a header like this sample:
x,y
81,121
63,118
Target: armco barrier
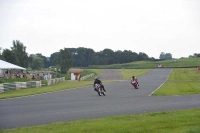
x,y
87,76
32,84
1,88
19,85
56,80
9,86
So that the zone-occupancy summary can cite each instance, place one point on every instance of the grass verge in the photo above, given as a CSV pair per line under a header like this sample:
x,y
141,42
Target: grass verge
x,y
55,87
159,122
128,73
181,81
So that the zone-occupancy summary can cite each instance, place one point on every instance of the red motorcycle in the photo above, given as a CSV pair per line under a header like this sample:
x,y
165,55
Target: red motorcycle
x,y
135,84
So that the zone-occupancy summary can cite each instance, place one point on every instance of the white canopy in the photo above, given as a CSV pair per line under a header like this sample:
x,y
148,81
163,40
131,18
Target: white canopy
x,y
7,65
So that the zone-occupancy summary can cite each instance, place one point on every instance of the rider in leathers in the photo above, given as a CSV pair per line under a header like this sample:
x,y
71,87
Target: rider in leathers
x,y
98,81
134,78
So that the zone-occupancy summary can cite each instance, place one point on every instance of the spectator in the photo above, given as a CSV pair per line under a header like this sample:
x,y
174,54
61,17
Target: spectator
x,y
80,77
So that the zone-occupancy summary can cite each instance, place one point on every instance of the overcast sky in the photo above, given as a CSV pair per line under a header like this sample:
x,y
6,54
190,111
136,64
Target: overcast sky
x,y
149,26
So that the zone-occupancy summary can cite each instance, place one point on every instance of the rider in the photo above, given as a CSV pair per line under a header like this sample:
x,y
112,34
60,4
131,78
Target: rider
x,y
134,78
98,81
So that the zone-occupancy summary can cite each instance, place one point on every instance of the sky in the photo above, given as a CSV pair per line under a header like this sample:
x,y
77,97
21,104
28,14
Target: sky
x,y
148,26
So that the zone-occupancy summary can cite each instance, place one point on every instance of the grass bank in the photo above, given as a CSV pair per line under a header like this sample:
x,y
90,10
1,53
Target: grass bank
x,y
173,63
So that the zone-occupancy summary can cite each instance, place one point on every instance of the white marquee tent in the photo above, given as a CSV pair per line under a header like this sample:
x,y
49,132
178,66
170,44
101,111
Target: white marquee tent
x,y
7,65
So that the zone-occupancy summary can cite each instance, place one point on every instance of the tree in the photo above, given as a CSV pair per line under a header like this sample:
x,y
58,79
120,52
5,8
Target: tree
x,y
135,56
190,56
127,56
90,57
81,56
118,56
162,55
30,59
168,56
20,51
37,63
46,62
55,59
143,56
9,56
65,60
109,56
196,55
74,53
1,57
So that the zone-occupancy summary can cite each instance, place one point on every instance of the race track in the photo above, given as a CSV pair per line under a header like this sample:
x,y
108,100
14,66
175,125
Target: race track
x,y
84,103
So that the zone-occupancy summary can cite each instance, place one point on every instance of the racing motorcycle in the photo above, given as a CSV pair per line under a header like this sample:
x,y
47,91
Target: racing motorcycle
x,y
135,84
99,90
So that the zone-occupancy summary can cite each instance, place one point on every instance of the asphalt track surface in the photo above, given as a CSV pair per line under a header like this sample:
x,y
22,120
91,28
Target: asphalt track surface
x,y
84,103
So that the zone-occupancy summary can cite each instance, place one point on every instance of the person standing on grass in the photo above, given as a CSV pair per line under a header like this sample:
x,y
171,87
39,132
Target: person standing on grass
x,y
79,76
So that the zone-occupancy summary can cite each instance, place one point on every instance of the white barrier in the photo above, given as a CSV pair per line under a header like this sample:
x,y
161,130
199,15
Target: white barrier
x,y
33,84
1,88
87,76
19,85
56,80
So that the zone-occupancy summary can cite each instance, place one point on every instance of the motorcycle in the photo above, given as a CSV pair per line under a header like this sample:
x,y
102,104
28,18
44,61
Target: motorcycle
x,y
135,84
99,90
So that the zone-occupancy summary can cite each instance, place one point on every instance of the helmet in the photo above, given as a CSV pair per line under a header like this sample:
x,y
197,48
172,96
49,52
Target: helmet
x,y
133,76
96,78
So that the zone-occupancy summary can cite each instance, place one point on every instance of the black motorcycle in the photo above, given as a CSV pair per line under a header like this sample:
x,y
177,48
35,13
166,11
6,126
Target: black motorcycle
x,y
100,90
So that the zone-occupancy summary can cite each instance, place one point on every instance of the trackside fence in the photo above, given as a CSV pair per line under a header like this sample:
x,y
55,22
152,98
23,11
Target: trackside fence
x,y
31,84
19,85
56,80
87,76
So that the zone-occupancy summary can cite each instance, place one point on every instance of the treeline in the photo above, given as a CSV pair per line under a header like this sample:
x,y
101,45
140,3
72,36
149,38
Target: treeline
x,y
68,57
83,57
73,57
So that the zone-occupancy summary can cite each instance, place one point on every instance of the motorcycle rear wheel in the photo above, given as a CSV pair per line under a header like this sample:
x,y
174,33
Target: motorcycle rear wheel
x,y
104,93
99,92
136,87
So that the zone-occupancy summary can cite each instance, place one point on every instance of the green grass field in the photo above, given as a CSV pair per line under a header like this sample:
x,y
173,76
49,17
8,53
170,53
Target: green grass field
x,y
180,82
181,121
128,73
